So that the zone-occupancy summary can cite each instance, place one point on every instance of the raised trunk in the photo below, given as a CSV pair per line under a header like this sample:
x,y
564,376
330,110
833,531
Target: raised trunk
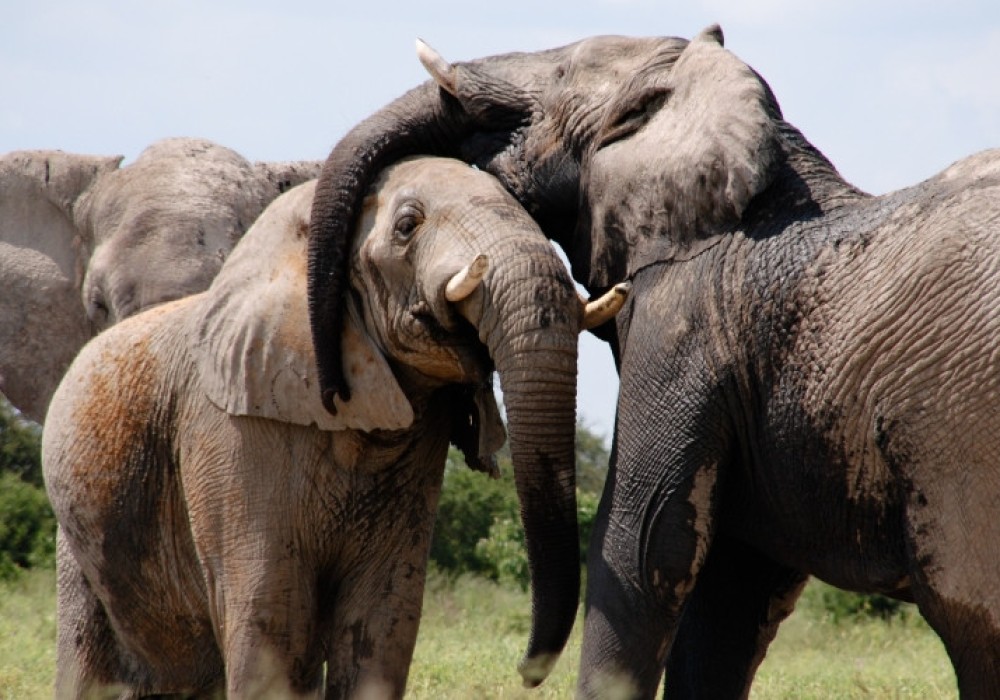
x,y
346,176
425,121
530,326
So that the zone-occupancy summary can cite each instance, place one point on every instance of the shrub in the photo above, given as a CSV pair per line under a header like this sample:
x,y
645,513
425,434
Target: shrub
x,y
20,445
27,524
478,528
846,606
470,502
27,527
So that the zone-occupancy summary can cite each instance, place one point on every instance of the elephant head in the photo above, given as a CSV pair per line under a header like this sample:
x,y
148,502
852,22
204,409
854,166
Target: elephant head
x,y
525,118
703,139
84,243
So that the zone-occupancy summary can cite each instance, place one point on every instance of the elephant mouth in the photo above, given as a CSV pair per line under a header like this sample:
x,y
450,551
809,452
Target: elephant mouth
x,y
456,336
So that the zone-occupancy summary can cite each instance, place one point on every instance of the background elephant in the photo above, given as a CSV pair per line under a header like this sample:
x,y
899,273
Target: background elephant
x,y
216,518
808,384
84,243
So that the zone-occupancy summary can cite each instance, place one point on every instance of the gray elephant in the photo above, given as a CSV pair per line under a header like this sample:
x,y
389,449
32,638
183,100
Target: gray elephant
x,y
221,528
84,243
809,382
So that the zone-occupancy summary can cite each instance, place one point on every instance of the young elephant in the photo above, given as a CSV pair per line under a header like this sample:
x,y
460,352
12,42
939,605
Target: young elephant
x,y
219,527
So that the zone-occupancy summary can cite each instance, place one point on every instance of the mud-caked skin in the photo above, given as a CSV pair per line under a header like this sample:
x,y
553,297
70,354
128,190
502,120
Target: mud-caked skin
x,y
221,531
809,380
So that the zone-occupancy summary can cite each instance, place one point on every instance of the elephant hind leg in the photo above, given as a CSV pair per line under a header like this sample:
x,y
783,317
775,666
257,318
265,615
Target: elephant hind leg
x,y
955,575
89,662
972,641
730,618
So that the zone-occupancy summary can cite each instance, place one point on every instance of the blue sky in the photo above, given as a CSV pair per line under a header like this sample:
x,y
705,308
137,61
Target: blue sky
x,y
892,91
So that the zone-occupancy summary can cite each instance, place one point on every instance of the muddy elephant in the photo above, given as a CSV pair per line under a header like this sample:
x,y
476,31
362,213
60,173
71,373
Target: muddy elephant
x,y
85,243
808,375
220,528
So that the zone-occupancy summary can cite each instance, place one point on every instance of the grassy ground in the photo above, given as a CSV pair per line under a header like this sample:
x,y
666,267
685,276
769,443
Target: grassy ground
x,y
28,636
473,634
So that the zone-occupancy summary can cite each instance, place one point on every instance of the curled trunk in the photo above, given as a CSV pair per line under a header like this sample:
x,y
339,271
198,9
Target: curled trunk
x,y
427,121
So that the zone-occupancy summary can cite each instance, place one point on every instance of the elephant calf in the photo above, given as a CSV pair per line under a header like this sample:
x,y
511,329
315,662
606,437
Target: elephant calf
x,y
219,528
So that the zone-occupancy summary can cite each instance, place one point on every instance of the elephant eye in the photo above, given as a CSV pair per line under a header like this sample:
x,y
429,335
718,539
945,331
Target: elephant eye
x,y
630,115
408,220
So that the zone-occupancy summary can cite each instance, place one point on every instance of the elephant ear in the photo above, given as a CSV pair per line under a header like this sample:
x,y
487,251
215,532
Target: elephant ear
x,y
43,322
251,338
39,191
707,134
721,138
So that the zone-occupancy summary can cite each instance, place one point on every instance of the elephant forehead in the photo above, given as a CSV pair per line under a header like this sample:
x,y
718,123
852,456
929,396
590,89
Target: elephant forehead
x,y
612,57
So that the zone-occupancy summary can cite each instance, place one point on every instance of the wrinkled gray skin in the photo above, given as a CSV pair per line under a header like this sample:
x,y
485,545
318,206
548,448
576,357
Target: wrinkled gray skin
x,y
84,243
808,380
219,527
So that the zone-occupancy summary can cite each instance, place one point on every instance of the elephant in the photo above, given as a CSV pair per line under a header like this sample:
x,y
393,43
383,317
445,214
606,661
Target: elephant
x,y
220,529
808,379
85,243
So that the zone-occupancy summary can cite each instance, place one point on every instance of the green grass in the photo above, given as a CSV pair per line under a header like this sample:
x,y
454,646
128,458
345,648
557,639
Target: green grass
x,y
814,658
28,636
473,634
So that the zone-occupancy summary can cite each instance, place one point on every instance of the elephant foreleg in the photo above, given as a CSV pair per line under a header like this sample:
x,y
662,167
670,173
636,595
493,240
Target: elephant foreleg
x,y
375,629
730,618
640,575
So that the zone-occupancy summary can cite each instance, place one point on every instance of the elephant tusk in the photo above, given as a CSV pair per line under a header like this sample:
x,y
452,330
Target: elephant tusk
x,y
442,71
467,279
603,309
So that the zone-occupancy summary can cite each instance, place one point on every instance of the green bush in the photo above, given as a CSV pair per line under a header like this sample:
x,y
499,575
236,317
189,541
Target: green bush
x,y
27,527
840,606
478,528
470,502
20,445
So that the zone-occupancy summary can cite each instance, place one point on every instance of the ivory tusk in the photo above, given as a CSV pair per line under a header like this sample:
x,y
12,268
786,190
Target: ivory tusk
x,y
467,279
442,71
603,309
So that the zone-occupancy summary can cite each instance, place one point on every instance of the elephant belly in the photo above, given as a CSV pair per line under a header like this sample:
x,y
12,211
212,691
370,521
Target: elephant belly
x,y
831,512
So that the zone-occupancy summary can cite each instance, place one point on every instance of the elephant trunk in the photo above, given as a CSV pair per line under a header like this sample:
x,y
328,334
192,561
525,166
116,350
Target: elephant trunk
x,y
343,182
530,326
425,121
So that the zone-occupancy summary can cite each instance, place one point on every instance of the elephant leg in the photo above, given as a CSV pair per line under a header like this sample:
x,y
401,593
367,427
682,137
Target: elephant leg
x,y
376,620
268,629
730,618
640,575
955,580
88,659
656,520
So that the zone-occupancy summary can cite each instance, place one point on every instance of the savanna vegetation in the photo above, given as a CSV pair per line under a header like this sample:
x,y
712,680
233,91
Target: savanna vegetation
x,y
476,615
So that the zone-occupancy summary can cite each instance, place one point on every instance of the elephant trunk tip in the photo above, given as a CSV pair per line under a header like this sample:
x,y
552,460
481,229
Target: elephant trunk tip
x,y
535,669
329,394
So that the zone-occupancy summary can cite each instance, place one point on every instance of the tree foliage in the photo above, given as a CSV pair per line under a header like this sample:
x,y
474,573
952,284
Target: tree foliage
x,y
20,445
478,528
27,524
